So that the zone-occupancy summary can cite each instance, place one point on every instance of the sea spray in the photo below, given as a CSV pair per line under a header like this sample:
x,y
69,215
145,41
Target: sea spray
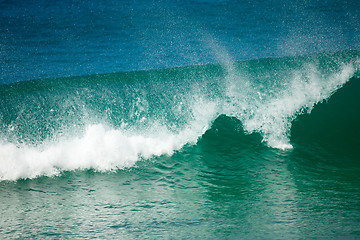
x,y
102,147
109,122
269,100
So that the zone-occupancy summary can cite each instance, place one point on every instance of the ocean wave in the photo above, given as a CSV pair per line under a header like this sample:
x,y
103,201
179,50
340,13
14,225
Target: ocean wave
x,y
110,121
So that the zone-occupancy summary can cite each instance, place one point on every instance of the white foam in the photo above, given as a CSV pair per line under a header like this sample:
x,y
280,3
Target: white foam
x,y
102,148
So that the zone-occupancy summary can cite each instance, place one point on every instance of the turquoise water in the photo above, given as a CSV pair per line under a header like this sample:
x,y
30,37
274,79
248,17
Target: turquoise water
x,y
179,119
256,149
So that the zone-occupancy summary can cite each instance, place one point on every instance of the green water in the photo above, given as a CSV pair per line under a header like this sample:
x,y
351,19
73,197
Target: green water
x,y
264,149
208,191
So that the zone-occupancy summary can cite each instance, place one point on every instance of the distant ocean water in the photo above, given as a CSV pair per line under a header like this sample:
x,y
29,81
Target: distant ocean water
x,y
180,120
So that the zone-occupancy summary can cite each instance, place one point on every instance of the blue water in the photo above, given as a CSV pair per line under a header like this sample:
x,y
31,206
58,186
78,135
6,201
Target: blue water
x,y
179,119
41,39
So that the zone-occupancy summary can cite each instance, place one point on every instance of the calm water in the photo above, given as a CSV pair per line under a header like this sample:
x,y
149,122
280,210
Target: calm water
x,y
179,120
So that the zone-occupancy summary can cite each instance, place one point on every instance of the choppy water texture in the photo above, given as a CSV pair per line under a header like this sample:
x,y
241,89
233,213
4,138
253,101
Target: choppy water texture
x,y
207,145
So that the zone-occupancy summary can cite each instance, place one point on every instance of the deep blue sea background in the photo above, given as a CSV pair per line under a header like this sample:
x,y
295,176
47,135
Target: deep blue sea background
x,y
179,119
41,39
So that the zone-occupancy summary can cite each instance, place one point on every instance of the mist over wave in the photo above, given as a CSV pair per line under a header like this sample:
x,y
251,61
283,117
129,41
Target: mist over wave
x,y
110,121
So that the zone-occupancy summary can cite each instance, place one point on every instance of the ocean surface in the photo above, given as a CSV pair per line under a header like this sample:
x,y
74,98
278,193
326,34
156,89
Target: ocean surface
x,y
179,119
